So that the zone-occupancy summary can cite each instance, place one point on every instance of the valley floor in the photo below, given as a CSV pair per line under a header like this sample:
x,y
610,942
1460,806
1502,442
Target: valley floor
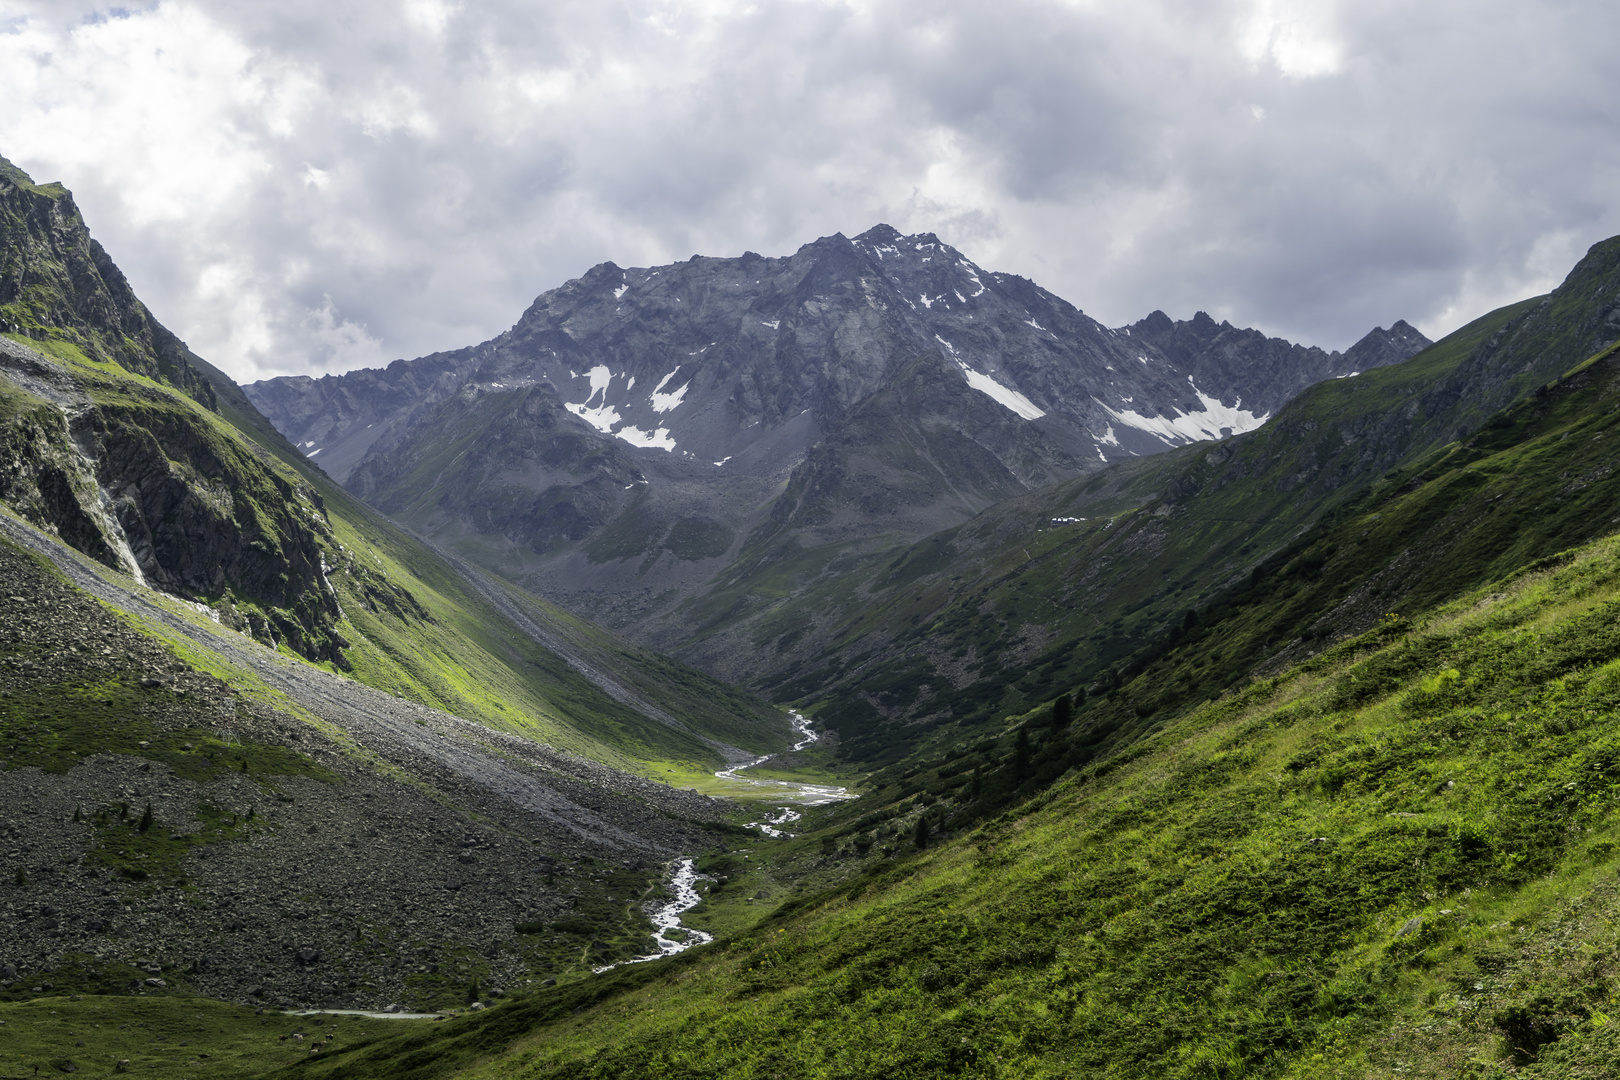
x,y
1399,858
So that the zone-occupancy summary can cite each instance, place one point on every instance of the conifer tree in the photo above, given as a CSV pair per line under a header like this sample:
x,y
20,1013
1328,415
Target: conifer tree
x,y
1062,712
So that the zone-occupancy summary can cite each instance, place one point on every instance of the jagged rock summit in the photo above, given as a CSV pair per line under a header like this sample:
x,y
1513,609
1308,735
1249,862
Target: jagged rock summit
x,y
720,346
639,429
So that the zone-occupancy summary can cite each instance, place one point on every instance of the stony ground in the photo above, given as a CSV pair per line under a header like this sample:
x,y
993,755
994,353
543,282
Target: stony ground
x,y
384,853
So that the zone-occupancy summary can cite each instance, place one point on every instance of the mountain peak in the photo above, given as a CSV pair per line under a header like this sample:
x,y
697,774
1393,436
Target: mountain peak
x,y
1379,346
1156,323
887,235
880,233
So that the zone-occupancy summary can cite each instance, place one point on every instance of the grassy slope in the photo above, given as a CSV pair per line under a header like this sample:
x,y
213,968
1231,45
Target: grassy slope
x,y
163,1037
1396,858
418,629
1533,481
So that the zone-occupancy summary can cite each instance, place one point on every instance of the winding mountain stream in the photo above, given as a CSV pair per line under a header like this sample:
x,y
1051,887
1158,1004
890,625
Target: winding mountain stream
x,y
667,919
684,875
803,794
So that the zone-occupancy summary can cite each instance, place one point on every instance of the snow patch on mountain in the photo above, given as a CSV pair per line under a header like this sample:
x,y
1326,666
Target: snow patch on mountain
x,y
662,402
652,440
1216,420
602,417
973,275
1003,395
606,419
984,384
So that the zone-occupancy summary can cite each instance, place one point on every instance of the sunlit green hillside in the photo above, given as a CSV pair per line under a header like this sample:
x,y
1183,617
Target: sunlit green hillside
x,y
1392,859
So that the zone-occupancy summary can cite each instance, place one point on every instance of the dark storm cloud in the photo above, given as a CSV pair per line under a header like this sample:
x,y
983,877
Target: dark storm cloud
x,y
307,185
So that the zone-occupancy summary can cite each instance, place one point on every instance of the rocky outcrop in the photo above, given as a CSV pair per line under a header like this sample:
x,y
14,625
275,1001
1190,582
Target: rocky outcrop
x,y
57,284
150,486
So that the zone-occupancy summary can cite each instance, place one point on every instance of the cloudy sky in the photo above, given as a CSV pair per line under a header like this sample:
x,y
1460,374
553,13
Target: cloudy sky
x,y
308,186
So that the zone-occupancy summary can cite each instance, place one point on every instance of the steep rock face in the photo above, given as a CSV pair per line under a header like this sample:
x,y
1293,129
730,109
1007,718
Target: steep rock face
x,y
128,473
640,430
151,488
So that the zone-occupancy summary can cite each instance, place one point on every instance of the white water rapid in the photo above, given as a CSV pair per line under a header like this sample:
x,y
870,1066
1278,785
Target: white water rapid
x,y
683,883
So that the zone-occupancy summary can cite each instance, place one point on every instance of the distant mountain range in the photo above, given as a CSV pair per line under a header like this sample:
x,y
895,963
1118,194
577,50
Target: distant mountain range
x,y
640,433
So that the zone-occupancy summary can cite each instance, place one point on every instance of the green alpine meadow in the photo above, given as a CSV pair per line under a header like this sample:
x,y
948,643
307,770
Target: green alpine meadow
x,y
956,730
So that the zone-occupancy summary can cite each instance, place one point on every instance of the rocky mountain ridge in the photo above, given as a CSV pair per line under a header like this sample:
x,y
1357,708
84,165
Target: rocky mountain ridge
x,y
58,283
640,430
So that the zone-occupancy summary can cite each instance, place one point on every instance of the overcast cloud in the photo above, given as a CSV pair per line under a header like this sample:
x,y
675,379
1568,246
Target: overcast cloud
x,y
307,186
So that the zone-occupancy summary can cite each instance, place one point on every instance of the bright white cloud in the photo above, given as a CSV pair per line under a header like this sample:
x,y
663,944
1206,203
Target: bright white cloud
x,y
1295,35
305,186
